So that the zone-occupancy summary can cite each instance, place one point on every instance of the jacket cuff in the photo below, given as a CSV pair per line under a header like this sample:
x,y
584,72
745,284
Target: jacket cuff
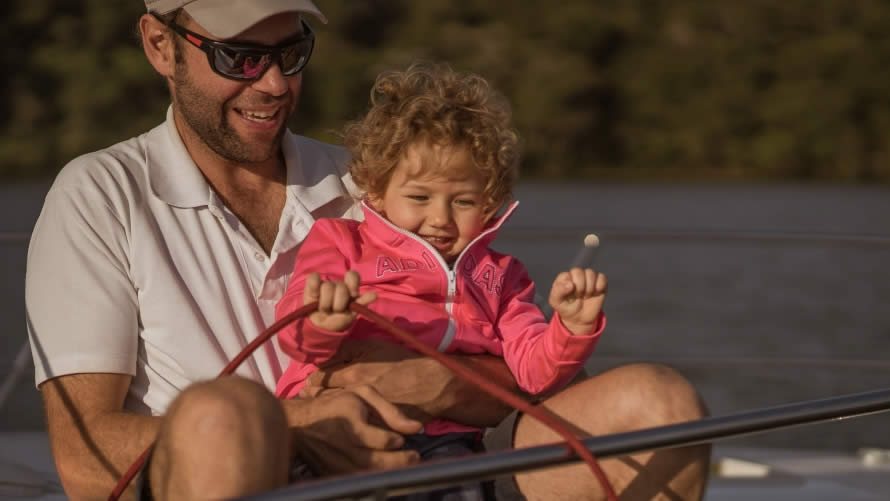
x,y
315,344
573,347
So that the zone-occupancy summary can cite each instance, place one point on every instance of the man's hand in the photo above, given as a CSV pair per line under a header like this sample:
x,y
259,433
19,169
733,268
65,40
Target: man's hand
x,y
350,430
333,298
421,387
401,376
578,296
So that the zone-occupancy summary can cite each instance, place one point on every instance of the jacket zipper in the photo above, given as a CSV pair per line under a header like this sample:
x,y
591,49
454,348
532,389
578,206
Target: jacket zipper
x,y
450,272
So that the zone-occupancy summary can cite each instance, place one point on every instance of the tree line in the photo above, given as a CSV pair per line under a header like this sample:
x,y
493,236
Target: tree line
x,y
601,89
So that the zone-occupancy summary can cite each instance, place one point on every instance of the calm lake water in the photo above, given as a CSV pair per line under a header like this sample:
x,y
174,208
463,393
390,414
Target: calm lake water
x,y
761,295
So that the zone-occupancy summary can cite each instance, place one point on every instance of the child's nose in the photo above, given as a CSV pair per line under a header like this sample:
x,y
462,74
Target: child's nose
x,y
440,215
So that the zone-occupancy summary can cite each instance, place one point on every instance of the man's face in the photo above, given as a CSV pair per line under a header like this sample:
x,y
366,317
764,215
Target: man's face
x,y
241,122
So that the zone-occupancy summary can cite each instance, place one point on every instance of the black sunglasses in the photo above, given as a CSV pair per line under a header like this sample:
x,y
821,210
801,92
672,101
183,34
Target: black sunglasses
x,y
249,62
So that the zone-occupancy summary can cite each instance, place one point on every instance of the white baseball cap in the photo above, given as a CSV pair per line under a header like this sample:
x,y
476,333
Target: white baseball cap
x,y
227,18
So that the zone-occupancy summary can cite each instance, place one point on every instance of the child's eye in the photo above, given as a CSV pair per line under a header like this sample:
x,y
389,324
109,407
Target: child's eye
x,y
465,202
419,198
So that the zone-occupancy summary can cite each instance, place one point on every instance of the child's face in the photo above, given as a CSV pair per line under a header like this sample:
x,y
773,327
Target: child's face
x,y
436,193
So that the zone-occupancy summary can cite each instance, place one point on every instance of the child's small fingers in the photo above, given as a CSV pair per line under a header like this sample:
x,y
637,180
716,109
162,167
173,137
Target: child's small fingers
x,y
578,279
352,281
325,296
590,279
366,298
562,287
602,283
310,289
341,297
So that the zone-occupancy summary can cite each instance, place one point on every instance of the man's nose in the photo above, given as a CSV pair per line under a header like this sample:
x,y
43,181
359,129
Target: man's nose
x,y
273,82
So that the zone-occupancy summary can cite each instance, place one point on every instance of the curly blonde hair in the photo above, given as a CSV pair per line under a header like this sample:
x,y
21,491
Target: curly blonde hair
x,y
433,103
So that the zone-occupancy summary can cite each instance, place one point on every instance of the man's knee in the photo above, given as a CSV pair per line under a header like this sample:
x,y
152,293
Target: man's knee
x,y
238,423
225,415
657,393
224,404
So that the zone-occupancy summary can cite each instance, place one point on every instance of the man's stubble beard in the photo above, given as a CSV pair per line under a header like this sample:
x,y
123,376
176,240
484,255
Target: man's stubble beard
x,y
207,118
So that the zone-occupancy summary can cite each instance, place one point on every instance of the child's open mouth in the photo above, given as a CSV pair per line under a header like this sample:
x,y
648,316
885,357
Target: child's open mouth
x,y
440,243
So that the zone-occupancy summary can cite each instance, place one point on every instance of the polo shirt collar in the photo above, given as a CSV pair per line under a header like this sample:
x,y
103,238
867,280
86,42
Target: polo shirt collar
x,y
172,173
176,180
311,180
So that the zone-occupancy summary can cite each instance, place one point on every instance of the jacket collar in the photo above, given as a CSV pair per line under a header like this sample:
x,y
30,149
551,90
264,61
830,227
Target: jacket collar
x,y
379,225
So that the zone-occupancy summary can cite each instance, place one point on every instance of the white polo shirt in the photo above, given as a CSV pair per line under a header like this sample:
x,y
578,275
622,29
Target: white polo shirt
x,y
137,267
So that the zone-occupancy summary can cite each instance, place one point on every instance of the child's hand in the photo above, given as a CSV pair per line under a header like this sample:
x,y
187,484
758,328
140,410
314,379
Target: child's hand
x,y
578,295
333,298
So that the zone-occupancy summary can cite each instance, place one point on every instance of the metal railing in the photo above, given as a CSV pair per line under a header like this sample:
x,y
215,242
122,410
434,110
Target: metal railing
x,y
484,466
631,234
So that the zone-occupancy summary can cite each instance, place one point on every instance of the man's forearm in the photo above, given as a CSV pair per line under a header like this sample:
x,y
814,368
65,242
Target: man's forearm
x,y
423,387
465,403
96,453
93,441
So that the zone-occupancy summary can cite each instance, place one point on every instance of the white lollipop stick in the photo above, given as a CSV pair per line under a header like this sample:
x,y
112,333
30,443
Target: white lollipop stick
x,y
587,254
584,259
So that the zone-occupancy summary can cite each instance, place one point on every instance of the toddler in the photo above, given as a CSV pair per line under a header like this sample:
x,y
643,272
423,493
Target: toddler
x,y
436,159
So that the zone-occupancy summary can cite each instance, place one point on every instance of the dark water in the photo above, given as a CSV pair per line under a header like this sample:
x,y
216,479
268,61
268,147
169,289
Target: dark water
x,y
761,295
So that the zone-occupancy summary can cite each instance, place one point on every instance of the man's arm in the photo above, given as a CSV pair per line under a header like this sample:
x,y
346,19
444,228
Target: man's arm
x,y
94,441
349,431
421,386
468,404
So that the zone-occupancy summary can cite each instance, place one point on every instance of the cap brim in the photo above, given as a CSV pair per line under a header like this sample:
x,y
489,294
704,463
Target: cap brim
x,y
239,16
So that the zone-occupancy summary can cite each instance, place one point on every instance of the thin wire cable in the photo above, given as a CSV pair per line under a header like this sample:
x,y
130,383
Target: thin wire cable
x,y
542,414
19,365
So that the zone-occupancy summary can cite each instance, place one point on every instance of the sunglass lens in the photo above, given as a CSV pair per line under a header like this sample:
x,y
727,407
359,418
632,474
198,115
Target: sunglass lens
x,y
250,65
253,66
238,64
294,58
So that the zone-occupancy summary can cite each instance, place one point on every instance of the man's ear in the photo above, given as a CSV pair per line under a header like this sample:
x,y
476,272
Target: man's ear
x,y
157,43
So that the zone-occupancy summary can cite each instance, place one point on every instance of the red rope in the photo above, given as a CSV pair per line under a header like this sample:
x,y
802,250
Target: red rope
x,y
264,336
542,414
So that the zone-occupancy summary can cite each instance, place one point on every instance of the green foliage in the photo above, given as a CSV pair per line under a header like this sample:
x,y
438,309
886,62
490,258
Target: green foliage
x,y
651,89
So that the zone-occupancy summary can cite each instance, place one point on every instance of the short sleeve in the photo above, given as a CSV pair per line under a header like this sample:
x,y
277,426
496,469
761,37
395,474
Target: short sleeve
x,y
80,302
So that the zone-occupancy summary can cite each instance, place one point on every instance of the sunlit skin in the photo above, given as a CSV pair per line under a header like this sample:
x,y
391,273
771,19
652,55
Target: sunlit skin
x,y
231,121
231,129
447,211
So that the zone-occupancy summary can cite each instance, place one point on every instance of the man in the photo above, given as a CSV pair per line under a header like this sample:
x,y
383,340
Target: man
x,y
156,260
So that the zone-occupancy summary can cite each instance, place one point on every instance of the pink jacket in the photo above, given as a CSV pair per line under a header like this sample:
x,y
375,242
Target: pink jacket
x,y
483,305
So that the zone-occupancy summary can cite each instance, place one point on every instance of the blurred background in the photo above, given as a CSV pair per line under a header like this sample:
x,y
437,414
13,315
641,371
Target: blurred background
x,y
733,157
604,89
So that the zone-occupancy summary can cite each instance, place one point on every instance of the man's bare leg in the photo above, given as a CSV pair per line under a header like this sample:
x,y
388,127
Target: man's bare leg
x,y
626,398
219,439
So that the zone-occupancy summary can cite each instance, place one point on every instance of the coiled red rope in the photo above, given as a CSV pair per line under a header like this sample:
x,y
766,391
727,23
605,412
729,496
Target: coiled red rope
x,y
542,414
